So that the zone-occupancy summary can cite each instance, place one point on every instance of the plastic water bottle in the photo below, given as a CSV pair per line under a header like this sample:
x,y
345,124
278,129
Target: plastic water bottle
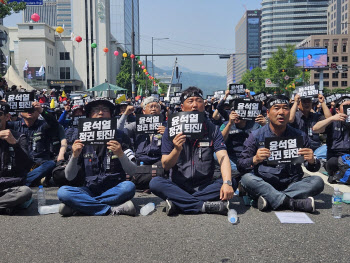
x,y
232,216
337,203
147,209
141,163
41,196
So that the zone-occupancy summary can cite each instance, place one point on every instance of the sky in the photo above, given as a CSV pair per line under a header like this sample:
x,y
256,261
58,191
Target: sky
x,y
192,26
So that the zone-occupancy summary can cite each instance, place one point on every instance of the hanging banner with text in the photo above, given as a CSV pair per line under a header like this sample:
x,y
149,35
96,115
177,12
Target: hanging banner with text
x,y
147,123
97,130
19,101
238,89
284,150
189,123
247,109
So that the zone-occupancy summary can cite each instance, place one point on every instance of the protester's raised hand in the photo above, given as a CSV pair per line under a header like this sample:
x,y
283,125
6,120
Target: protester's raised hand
x,y
261,155
161,129
7,136
321,98
339,117
77,147
308,154
179,140
115,147
261,120
233,116
129,109
37,106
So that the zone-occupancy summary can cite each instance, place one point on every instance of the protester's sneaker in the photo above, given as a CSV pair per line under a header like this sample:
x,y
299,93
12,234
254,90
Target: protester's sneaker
x,y
216,207
127,208
241,190
170,208
304,205
262,203
65,210
331,180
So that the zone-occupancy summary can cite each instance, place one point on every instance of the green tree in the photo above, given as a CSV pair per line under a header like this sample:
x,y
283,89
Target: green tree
x,y
254,79
7,9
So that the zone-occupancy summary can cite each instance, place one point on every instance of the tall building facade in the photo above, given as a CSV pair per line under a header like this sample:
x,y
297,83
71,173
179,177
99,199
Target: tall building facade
x,y
290,22
231,70
64,15
338,17
247,43
121,23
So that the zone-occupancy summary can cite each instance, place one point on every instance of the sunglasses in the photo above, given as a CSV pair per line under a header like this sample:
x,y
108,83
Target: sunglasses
x,y
30,111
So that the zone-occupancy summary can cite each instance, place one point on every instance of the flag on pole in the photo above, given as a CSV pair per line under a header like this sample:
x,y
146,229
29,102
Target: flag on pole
x,y
41,71
7,61
72,36
26,65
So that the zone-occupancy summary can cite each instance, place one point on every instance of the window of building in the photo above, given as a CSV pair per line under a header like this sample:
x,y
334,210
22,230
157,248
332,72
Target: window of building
x,y
65,73
317,75
326,83
326,75
335,75
64,55
335,59
335,48
344,75
344,59
334,83
31,27
344,48
344,83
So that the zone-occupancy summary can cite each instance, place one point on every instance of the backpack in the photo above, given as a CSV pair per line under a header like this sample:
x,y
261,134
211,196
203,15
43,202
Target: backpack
x,y
343,175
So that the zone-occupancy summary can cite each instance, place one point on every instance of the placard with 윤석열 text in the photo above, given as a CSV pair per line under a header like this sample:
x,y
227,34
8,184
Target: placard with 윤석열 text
x,y
219,94
332,97
284,150
346,110
174,100
189,123
237,88
148,123
247,109
260,96
75,120
97,130
19,101
307,91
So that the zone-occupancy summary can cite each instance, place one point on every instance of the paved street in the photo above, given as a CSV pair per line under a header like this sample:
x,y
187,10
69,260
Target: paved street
x,y
259,237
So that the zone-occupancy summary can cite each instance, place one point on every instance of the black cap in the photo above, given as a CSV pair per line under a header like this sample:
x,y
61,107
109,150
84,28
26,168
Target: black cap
x,y
4,107
97,101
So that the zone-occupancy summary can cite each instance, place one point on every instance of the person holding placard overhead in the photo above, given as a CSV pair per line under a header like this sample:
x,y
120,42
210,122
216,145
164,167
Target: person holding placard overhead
x,y
280,186
191,188
105,190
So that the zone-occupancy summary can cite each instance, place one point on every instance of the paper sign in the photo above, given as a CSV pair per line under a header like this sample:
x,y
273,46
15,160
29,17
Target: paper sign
x,y
174,100
220,94
260,96
75,120
247,110
147,123
308,91
177,94
97,130
346,110
79,102
19,101
293,218
332,97
284,150
237,88
189,123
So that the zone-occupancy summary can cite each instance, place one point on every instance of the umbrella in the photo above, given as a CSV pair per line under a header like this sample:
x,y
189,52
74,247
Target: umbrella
x,y
106,87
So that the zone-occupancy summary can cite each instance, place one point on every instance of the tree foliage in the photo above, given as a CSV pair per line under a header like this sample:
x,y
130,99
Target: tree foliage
x,y
7,9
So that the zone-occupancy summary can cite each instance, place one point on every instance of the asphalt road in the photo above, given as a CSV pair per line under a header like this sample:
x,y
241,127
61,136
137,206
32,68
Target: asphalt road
x,y
258,237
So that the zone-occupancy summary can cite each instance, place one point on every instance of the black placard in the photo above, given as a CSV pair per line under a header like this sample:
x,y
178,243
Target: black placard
x,y
148,123
177,94
284,150
75,120
247,109
174,100
237,89
308,91
332,97
19,101
79,102
346,110
260,96
97,130
189,123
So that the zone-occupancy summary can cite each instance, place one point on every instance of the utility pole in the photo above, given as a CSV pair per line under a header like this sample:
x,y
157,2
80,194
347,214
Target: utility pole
x,y
132,52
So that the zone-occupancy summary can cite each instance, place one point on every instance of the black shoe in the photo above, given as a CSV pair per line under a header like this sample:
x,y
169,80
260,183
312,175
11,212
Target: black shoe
x,y
303,205
262,203
241,190
331,180
170,208
216,207
65,210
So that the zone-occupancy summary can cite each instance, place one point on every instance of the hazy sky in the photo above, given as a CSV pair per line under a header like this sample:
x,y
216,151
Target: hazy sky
x,y
192,26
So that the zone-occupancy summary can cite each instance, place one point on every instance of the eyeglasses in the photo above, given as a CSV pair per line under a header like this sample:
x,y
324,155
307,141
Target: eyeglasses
x,y
98,109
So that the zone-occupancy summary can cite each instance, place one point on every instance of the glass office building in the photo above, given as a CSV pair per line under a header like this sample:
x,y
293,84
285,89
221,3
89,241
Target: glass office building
x,y
247,43
121,23
289,22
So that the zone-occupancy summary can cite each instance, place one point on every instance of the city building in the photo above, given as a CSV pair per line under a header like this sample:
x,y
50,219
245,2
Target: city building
x,y
121,23
247,43
338,53
338,17
231,71
290,22
64,15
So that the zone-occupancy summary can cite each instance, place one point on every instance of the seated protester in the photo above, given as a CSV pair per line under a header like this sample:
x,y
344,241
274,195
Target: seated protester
x,y
304,119
279,186
71,132
58,143
37,132
15,164
235,132
338,140
120,110
105,190
191,188
147,147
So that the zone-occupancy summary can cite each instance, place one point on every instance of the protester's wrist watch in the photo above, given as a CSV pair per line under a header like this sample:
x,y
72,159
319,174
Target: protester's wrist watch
x,y
228,182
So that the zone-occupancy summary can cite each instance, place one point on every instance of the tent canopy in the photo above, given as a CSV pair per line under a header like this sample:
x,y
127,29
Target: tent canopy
x,y
106,87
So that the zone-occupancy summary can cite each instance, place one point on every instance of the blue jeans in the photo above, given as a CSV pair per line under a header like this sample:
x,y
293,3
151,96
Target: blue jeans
x,y
256,186
83,200
45,169
321,152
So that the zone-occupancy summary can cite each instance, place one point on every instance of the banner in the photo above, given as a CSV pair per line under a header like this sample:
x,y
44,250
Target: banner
x,y
284,150
238,89
147,123
247,109
20,101
189,123
97,130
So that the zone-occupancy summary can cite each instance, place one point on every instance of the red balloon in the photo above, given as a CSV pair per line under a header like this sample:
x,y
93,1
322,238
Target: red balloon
x,y
105,50
132,56
116,53
143,67
78,39
140,62
35,17
146,73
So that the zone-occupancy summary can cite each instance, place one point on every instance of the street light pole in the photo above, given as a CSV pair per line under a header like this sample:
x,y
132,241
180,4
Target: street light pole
x,y
153,38
132,52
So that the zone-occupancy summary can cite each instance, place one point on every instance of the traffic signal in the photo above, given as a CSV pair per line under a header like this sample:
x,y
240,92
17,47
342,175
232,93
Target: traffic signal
x,y
283,70
251,80
306,69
